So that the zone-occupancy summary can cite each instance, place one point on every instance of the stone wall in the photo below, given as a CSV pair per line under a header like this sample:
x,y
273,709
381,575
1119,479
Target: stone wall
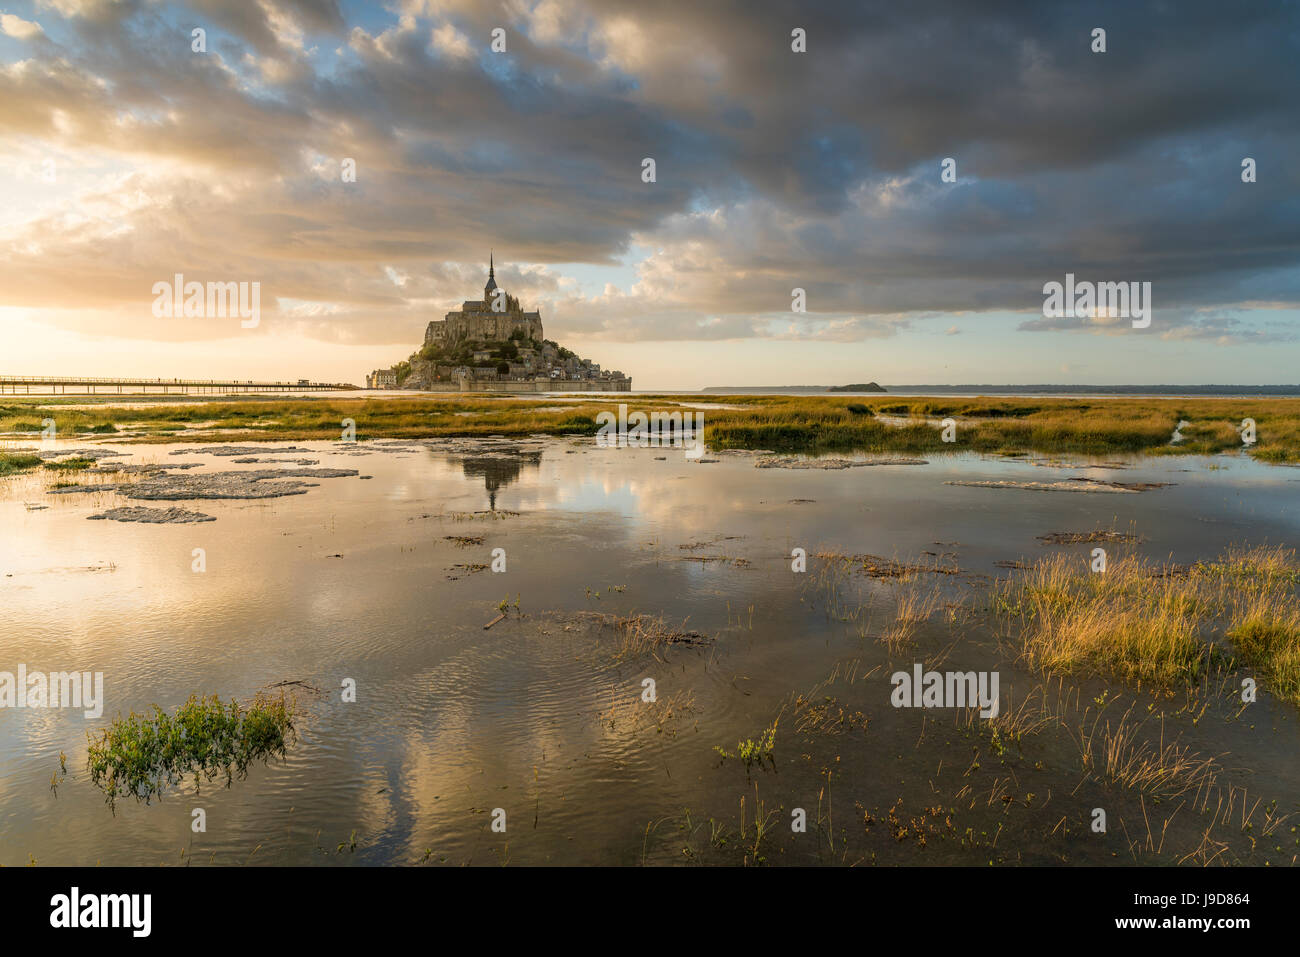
x,y
485,325
529,386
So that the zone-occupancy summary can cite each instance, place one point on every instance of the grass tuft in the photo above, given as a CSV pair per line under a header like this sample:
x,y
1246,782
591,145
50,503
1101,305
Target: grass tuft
x,y
14,463
140,755
1160,623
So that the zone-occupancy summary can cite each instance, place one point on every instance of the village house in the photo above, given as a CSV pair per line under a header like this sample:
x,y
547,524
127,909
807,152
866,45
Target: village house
x,y
382,379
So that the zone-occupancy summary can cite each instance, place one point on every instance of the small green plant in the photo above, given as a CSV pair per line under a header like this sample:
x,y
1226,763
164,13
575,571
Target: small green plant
x,y
140,755
754,752
57,777
998,744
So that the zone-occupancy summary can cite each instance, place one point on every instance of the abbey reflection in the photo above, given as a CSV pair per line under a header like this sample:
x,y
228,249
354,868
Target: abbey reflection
x,y
498,471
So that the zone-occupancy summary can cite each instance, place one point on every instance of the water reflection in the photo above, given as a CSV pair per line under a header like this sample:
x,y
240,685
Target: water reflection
x,y
536,715
498,471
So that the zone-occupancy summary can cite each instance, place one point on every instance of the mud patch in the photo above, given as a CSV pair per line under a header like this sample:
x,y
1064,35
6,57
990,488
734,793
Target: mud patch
x,y
1068,486
53,455
152,516
252,460
229,451
1128,486
140,469
252,484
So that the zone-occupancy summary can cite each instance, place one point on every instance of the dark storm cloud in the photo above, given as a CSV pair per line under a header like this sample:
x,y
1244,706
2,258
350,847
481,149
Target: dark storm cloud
x,y
775,170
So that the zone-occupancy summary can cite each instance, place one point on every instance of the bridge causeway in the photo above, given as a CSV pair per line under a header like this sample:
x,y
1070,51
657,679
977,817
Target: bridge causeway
x,y
59,385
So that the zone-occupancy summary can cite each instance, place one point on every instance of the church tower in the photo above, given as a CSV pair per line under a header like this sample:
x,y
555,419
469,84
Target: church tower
x,y
491,286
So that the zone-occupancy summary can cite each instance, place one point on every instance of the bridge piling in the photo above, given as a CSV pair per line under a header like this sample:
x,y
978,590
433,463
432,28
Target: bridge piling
x,y
58,385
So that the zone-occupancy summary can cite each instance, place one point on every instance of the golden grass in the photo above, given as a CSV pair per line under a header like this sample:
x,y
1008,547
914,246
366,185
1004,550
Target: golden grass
x,y
912,609
1127,621
12,463
631,715
1265,629
1150,622
1121,753
643,634
1013,722
304,419
1089,425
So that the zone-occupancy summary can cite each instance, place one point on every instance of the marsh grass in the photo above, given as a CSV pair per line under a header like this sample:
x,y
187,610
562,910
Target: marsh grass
x,y
1158,623
1121,752
913,609
141,755
1013,724
1265,630
1128,621
15,463
826,715
70,465
764,823
1091,426
646,634
666,715
276,420
876,566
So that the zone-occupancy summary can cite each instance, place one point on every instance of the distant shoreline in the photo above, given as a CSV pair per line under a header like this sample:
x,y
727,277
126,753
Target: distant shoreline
x,y
1226,391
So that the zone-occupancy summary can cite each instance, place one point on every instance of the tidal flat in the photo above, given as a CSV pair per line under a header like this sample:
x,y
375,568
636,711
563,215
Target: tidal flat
x,y
465,625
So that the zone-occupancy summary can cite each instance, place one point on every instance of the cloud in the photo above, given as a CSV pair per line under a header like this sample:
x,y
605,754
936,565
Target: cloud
x,y
90,9
19,28
775,169
1178,325
447,39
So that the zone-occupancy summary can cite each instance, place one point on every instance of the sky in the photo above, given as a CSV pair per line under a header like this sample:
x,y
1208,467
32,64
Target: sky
x,y
131,152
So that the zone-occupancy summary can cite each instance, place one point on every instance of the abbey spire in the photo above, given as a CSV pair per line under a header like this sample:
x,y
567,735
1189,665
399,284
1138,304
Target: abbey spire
x,y
492,279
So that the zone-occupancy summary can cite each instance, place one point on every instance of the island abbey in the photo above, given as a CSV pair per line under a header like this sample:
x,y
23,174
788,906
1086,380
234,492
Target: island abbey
x,y
497,317
492,344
